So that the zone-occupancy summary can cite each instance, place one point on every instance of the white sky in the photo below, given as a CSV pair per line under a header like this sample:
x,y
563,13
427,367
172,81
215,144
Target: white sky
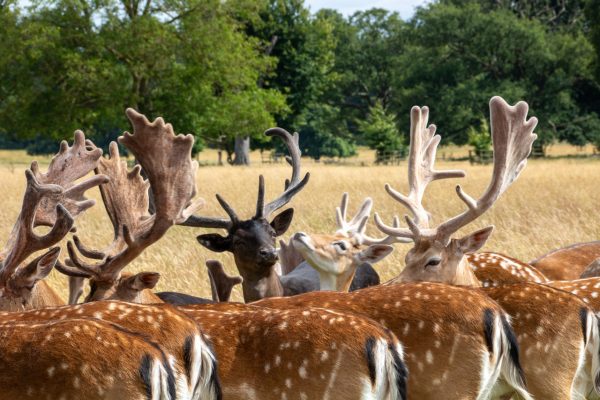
x,y
405,8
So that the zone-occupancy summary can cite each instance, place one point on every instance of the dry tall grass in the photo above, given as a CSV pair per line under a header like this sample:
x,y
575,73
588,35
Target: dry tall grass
x,y
553,204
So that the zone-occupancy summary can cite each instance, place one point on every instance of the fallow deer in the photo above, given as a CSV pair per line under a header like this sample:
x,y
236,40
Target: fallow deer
x,y
166,160
300,353
592,270
437,256
189,355
311,353
493,269
81,358
52,199
338,261
458,343
252,241
568,263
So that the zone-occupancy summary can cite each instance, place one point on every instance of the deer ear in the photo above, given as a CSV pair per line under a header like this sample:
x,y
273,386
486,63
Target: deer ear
x,y
282,222
215,242
39,268
475,241
374,253
143,280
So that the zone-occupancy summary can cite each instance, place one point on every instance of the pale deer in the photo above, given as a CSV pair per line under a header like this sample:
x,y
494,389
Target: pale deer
x,y
338,261
568,263
166,160
52,199
189,355
252,241
81,358
437,256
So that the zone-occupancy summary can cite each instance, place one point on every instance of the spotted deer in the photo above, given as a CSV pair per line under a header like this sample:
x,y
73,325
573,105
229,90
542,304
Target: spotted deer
x,y
252,241
51,199
81,358
188,354
568,263
458,343
493,269
437,256
275,354
166,160
311,353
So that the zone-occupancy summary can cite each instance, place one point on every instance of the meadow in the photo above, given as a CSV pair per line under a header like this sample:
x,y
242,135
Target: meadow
x,y
553,204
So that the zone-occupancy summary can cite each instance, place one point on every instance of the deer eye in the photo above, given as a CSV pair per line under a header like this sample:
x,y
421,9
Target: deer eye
x,y
433,262
340,245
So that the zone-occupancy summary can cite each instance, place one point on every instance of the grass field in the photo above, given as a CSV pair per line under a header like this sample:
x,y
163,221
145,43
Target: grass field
x,y
553,204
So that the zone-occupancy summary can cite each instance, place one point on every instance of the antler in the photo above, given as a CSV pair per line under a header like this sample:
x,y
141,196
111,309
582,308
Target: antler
x,y
68,165
293,186
166,159
357,227
221,284
23,241
512,136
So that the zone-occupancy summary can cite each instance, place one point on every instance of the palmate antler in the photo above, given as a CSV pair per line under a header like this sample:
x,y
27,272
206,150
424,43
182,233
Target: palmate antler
x,y
166,160
292,187
53,199
512,136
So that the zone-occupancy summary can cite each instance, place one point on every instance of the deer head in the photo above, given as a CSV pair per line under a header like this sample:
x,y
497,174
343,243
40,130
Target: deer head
x,y
336,257
436,255
252,241
52,199
166,160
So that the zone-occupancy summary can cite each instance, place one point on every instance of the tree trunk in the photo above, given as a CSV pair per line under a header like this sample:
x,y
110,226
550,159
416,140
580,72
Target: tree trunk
x,y
242,150
220,156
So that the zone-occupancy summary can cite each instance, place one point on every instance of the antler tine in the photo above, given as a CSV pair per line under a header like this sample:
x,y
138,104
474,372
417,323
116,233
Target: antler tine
x,y
260,198
512,137
421,160
295,184
358,223
166,160
23,240
390,238
228,209
67,166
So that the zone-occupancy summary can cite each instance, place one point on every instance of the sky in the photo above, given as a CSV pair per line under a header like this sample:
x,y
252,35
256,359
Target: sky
x,y
405,8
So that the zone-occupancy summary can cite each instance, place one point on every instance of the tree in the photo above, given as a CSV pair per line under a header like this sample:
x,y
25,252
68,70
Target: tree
x,y
460,57
83,62
380,132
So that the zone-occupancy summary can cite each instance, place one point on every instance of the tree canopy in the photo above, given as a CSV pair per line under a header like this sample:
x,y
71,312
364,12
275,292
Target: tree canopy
x,y
227,70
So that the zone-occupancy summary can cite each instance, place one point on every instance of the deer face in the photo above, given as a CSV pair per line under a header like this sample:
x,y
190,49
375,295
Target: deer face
x,y
337,255
252,242
126,287
21,284
434,261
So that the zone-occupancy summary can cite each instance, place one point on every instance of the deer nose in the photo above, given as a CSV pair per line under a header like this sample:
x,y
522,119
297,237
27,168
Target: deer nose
x,y
268,254
299,236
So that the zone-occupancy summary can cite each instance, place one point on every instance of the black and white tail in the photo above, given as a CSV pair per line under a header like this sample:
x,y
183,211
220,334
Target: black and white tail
x,y
586,384
387,370
201,366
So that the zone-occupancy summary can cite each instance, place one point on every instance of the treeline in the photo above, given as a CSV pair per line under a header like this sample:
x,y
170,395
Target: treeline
x,y
227,70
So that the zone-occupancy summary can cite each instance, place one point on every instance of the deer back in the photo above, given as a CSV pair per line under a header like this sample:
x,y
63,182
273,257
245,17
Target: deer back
x,y
569,262
493,269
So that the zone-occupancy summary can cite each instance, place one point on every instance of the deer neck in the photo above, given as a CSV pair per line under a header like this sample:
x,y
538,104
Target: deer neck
x,y
464,274
333,282
147,296
256,287
42,295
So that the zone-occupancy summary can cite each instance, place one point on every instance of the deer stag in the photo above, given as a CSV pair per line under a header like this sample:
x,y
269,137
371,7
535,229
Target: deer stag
x,y
52,199
81,358
436,256
189,355
166,159
252,241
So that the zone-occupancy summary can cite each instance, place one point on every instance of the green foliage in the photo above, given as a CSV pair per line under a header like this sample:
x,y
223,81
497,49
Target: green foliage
x,y
380,132
481,139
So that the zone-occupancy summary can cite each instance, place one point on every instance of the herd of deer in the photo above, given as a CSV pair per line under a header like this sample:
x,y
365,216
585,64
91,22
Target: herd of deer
x,y
454,324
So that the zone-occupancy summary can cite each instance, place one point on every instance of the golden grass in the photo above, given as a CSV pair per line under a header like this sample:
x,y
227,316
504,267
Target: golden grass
x,y
553,204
